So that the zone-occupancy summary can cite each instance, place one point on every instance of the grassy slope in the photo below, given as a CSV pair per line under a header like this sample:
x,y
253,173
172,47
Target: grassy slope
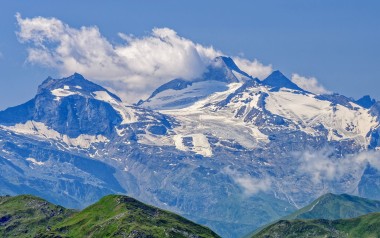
x,y
331,207
121,216
112,216
366,226
26,215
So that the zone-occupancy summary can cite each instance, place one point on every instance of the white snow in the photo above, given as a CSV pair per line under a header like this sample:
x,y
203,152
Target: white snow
x,y
200,146
178,142
239,76
63,92
119,131
176,99
197,121
311,209
105,97
127,113
307,111
40,130
35,162
155,140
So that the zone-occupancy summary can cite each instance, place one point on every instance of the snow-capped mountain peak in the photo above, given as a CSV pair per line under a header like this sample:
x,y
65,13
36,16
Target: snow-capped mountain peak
x,y
70,107
75,84
277,80
180,93
229,65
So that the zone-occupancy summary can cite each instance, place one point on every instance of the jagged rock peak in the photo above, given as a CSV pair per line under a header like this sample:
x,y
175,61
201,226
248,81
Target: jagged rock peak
x,y
366,101
278,80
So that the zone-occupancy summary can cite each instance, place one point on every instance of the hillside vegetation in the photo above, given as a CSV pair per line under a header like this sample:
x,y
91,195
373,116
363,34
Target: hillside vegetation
x,y
112,216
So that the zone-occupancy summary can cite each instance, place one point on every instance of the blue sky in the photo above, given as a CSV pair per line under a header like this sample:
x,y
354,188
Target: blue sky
x,y
337,42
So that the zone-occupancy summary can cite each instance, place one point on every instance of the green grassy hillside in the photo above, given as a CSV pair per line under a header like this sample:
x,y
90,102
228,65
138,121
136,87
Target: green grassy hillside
x,y
121,216
329,207
367,226
112,216
26,215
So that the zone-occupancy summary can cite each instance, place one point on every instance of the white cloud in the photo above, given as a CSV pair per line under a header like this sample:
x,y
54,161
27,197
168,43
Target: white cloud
x,y
133,69
309,84
318,165
324,166
254,68
250,185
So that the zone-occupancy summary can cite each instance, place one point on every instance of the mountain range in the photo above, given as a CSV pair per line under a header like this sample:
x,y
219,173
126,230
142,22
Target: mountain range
x,y
111,216
226,150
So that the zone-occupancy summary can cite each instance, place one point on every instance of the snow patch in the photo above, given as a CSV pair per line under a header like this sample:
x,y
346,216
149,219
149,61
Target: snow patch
x,y
311,209
201,120
307,111
175,99
150,139
200,146
35,162
178,142
239,76
126,113
40,130
62,92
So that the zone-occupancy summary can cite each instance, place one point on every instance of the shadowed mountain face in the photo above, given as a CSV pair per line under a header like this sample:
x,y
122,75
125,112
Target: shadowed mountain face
x,y
226,150
277,80
112,216
70,106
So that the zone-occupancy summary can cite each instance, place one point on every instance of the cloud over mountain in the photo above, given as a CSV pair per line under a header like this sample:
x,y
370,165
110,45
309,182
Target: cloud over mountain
x,y
322,165
310,84
249,184
133,69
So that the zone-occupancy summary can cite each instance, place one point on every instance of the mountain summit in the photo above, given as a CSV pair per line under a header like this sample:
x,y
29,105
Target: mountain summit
x,y
277,80
180,93
366,101
75,84
70,106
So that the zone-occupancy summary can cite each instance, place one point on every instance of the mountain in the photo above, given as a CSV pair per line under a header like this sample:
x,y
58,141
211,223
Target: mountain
x,y
179,93
366,101
112,216
277,81
226,150
364,226
26,215
329,207
48,144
